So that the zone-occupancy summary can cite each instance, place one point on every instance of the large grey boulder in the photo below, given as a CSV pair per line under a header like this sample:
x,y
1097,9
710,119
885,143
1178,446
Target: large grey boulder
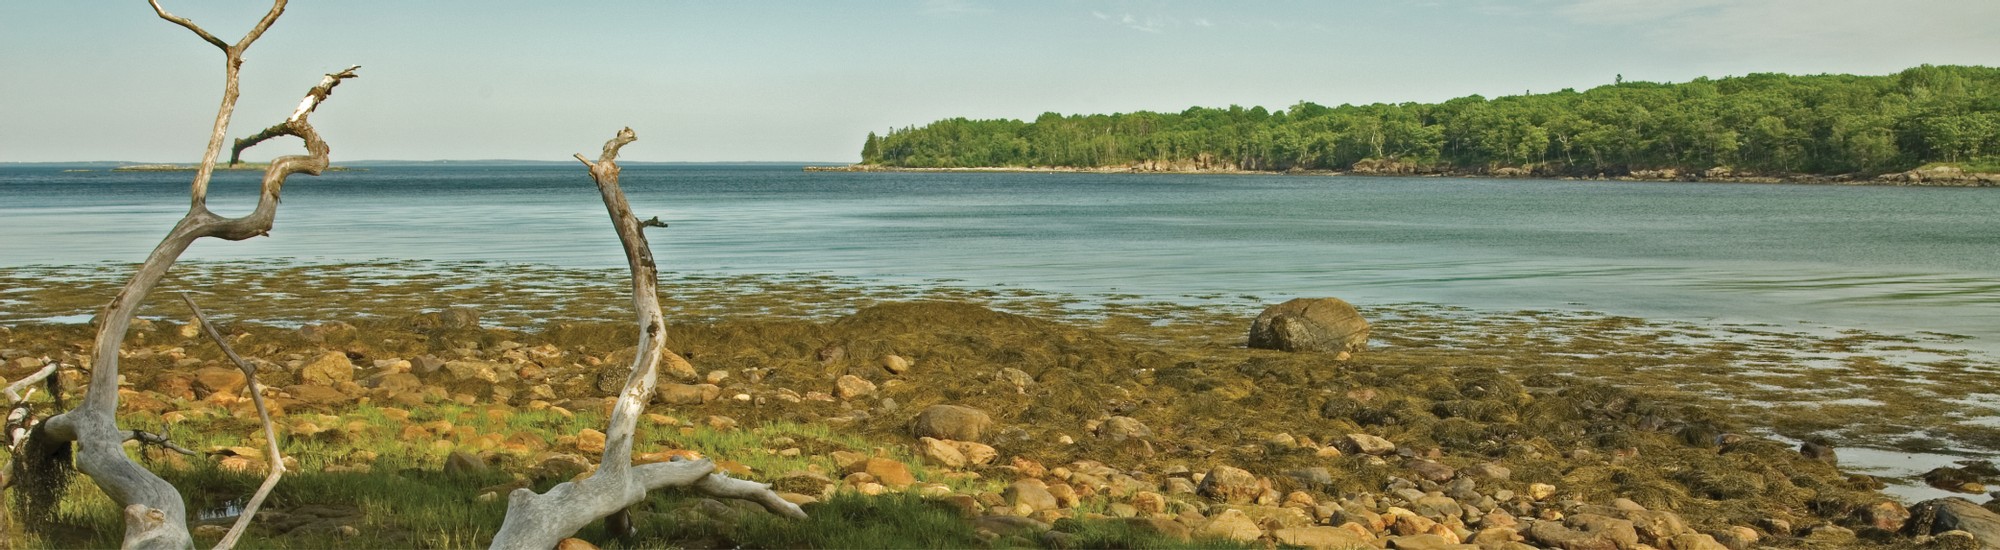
x,y
1310,324
1937,516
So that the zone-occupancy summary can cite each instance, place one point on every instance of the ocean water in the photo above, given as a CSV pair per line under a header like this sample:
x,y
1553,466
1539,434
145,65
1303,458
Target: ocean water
x,y
1895,260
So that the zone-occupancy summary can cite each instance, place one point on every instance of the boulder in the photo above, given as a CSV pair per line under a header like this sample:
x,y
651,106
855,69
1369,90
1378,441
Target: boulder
x,y
1319,538
889,472
219,379
951,422
1230,484
671,393
1934,517
1232,524
1031,493
1310,324
327,369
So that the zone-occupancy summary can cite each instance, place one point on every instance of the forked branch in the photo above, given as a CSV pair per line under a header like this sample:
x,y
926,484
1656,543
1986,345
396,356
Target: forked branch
x,y
539,521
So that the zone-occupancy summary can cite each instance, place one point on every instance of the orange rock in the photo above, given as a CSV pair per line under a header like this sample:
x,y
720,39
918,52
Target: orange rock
x,y
889,472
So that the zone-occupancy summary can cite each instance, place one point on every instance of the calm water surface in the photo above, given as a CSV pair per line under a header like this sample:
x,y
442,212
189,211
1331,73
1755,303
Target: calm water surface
x,y
1887,259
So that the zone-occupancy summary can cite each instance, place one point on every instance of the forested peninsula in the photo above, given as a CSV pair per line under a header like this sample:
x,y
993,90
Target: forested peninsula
x,y
1925,125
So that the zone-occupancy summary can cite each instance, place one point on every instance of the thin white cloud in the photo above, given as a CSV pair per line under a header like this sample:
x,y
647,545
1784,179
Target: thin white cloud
x,y
1144,23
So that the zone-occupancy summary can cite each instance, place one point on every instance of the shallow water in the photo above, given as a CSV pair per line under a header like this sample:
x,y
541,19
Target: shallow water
x,y
1897,260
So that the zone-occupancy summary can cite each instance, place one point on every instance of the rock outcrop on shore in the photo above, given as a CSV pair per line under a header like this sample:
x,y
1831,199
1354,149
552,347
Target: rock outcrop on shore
x,y
1034,432
1311,324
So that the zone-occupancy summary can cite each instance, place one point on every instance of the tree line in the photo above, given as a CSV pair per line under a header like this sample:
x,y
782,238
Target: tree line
x,y
1759,123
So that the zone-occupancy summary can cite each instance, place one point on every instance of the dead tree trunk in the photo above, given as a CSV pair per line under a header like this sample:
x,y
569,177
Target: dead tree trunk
x,y
155,516
539,521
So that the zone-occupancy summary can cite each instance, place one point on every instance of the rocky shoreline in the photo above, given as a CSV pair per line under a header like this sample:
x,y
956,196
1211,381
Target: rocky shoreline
x,y
1020,430
1945,176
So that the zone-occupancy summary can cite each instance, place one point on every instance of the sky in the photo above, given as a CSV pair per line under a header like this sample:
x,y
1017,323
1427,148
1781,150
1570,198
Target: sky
x,y
806,81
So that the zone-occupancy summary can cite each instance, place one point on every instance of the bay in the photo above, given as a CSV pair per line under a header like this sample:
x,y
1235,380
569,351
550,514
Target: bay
x,y
1896,260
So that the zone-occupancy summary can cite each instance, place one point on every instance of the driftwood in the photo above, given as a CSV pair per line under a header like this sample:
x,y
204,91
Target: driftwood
x,y
155,515
539,521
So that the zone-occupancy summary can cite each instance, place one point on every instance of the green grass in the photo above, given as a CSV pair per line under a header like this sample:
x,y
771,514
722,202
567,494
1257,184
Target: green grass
x,y
1982,165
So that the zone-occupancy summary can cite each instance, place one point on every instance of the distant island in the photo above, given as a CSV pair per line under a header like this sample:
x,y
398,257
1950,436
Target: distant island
x,y
1929,125
220,166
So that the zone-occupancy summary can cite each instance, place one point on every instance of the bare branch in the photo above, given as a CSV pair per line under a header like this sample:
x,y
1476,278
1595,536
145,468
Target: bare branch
x,y
540,521
184,22
277,9
157,440
290,126
270,434
14,390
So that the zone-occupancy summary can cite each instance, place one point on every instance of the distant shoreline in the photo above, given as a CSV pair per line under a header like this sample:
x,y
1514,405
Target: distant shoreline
x,y
1941,177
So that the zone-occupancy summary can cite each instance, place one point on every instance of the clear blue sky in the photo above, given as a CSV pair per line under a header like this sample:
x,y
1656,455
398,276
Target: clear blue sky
x,y
721,81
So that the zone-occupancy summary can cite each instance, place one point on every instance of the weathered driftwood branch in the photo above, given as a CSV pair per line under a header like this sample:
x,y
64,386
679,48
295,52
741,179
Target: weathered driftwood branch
x,y
156,516
264,414
539,521
233,62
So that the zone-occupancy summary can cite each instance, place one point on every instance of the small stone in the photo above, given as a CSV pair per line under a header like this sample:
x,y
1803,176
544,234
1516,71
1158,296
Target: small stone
x,y
1118,428
327,369
1368,445
687,394
940,452
461,463
473,370
849,387
976,453
1017,377
1819,449
1489,470
1540,491
1887,515
1232,524
895,364
1030,494
830,354
590,441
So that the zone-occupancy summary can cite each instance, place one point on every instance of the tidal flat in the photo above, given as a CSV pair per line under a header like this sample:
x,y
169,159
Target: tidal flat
x,y
1700,420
